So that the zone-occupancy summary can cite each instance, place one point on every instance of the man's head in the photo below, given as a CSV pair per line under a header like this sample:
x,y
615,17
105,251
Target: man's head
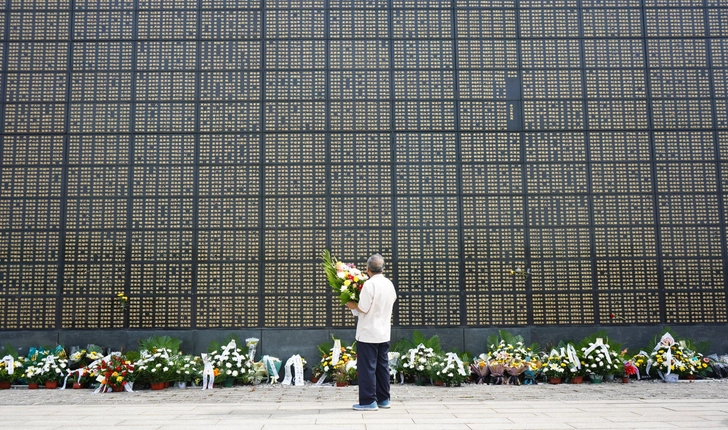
x,y
375,264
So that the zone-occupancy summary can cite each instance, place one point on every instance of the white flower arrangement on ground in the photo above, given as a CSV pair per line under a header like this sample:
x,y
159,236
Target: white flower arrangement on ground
x,y
53,368
505,352
599,359
156,366
449,369
188,368
230,362
418,361
556,366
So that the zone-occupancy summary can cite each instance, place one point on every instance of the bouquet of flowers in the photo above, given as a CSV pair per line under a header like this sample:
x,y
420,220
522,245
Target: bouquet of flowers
x,y
115,372
449,369
11,368
418,362
675,357
479,368
514,369
345,280
600,359
629,368
504,352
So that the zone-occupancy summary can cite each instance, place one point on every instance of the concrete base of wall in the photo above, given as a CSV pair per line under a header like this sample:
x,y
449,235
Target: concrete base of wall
x,y
283,343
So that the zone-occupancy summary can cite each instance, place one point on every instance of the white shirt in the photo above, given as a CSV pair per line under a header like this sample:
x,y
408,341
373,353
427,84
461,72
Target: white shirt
x,y
376,300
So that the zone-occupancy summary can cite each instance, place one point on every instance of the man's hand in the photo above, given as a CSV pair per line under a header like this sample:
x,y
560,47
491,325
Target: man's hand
x,y
351,305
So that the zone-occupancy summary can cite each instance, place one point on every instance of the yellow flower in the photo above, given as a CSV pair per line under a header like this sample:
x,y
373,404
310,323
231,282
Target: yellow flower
x,y
119,379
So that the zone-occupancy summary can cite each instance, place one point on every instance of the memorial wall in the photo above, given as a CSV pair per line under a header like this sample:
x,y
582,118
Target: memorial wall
x,y
197,156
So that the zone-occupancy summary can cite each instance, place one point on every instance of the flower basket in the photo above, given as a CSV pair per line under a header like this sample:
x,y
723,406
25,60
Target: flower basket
x,y
625,379
4,385
51,385
32,385
579,379
156,386
596,379
554,380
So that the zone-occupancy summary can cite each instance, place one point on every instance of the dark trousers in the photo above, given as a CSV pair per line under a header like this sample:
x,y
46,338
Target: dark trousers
x,y
372,365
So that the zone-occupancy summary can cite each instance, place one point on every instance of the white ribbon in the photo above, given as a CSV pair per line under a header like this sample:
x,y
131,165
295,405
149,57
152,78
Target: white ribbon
x,y
393,358
321,379
252,342
453,357
604,348
271,368
208,373
336,352
647,370
573,357
296,363
413,351
80,372
9,364
666,341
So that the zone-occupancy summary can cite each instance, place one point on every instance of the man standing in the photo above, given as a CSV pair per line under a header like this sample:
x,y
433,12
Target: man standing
x,y
373,333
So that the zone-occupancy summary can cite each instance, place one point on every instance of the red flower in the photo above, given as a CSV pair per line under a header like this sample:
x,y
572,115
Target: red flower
x,y
611,315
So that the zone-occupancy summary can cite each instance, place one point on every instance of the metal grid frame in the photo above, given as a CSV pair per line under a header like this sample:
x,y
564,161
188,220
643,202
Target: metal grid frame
x,y
198,155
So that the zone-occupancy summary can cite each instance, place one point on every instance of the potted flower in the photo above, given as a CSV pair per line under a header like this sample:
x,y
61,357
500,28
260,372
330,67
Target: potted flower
x,y
53,371
33,376
629,370
188,368
156,367
555,368
576,372
640,363
80,377
342,375
11,368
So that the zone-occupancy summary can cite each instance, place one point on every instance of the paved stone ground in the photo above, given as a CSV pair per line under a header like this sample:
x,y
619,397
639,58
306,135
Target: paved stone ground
x,y
644,404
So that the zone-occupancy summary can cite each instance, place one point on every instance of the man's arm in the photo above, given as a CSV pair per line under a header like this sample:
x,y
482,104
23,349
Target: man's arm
x,y
354,305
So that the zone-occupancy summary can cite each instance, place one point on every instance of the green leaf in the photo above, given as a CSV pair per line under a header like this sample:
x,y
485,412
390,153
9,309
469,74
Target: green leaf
x,y
153,343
